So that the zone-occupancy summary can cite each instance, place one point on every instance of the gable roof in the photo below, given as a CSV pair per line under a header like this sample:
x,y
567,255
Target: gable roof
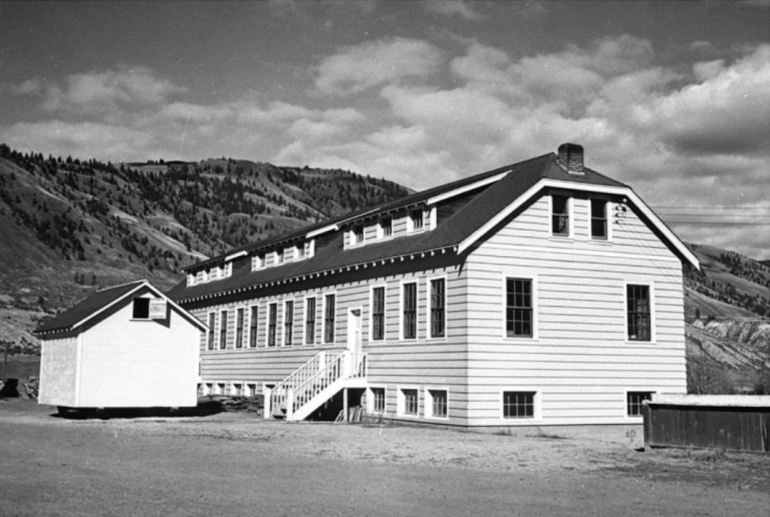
x,y
100,301
511,186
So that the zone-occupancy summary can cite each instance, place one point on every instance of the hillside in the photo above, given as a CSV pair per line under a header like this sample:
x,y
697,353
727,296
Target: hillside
x,y
68,227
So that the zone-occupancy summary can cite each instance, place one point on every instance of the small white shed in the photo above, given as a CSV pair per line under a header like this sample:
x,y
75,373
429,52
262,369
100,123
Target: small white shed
x,y
124,346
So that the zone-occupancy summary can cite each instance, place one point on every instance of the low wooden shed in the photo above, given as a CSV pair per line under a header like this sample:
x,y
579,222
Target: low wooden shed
x,y
124,346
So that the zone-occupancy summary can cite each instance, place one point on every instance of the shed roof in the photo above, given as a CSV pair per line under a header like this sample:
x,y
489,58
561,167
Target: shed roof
x,y
98,302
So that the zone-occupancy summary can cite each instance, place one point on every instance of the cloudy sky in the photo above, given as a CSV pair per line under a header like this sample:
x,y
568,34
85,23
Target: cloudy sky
x,y
672,98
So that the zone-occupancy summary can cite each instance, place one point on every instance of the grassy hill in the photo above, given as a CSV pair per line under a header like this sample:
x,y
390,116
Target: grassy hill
x,y
68,227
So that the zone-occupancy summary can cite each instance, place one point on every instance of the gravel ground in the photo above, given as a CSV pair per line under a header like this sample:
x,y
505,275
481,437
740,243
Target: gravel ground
x,y
232,464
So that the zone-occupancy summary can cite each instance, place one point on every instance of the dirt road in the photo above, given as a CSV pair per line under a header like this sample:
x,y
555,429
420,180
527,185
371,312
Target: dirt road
x,y
235,465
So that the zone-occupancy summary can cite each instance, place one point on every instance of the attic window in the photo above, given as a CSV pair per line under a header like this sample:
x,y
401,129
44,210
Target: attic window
x,y
560,215
141,309
416,218
358,234
386,227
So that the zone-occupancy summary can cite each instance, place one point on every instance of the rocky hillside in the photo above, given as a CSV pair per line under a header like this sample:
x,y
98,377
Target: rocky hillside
x,y
727,305
68,227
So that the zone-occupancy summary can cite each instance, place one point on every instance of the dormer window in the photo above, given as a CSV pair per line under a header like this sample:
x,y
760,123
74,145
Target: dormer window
x,y
358,234
386,227
416,220
190,279
299,251
279,256
258,262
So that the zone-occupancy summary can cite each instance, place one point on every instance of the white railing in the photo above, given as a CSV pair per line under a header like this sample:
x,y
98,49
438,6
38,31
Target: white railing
x,y
311,379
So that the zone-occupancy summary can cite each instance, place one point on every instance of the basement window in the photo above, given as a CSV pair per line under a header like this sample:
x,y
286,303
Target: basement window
x,y
141,309
635,402
518,404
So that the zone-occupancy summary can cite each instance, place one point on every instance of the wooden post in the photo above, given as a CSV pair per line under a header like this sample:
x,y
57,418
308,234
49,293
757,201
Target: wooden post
x,y
345,403
268,400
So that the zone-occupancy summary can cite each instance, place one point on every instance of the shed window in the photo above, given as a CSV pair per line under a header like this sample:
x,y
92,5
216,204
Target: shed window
x,y
141,308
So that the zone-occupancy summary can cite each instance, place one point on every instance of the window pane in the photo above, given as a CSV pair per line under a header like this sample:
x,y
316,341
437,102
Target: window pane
x,y
310,322
560,215
518,311
437,308
253,327
378,313
638,311
410,311
329,322
517,404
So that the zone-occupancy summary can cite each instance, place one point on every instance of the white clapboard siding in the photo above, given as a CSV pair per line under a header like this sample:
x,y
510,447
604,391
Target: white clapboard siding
x,y
58,372
579,363
422,363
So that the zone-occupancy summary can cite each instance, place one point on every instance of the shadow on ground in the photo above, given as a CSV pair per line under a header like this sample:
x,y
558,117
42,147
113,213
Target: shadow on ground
x,y
204,408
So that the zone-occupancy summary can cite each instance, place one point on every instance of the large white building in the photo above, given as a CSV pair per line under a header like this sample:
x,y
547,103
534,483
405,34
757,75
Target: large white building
x,y
539,293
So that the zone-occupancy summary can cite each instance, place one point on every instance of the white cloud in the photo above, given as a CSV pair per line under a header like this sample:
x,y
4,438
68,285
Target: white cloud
x,y
357,68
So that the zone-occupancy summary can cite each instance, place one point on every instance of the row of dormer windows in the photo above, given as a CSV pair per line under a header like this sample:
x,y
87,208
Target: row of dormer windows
x,y
386,227
207,275
283,255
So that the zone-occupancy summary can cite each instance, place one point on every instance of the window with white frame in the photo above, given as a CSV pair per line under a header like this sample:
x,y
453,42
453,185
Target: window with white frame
x,y
251,389
378,400
409,310
358,234
279,256
638,312
239,328
212,324
310,316
209,388
599,217
288,323
190,279
378,313
560,215
519,404
635,402
329,317
519,307
258,262
272,324
409,401
386,227
438,307
299,251
436,403
223,330
416,220
253,322
237,389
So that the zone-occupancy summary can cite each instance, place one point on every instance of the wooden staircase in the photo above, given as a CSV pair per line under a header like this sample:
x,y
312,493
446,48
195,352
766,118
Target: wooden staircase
x,y
313,383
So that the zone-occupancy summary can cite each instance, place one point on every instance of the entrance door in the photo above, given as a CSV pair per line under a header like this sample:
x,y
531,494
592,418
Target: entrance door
x,y
354,330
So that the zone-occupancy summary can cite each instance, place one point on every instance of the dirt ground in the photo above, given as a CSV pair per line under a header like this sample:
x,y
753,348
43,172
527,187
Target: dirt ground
x,y
233,464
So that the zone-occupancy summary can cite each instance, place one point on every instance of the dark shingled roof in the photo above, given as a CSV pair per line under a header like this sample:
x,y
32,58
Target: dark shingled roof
x,y
462,224
100,299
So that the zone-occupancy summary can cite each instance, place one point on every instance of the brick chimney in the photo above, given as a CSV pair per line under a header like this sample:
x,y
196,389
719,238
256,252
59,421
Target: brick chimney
x,y
571,158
